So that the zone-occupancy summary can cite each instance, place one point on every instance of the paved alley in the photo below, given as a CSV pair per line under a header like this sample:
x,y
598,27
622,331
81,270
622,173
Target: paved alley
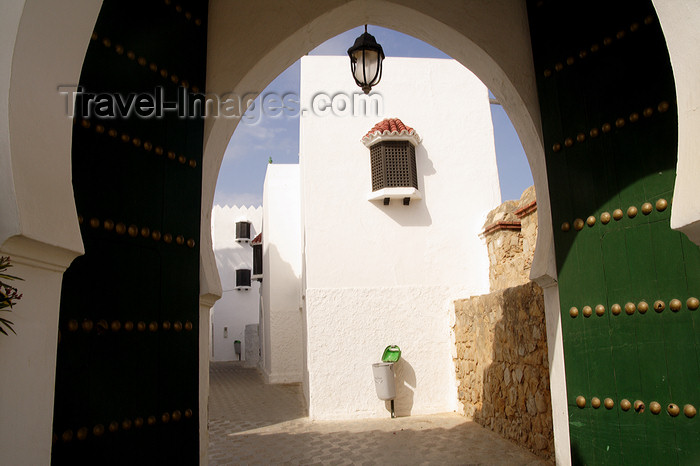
x,y
254,423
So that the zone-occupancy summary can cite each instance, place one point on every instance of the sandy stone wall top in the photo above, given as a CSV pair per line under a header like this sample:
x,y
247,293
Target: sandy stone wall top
x,y
511,233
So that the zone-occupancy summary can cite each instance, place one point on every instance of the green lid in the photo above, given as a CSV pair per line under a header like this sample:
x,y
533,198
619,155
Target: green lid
x,y
392,353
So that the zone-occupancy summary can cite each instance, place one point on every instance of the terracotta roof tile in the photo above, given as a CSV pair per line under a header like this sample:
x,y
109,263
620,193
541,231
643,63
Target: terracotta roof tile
x,y
388,128
501,225
257,239
390,125
526,209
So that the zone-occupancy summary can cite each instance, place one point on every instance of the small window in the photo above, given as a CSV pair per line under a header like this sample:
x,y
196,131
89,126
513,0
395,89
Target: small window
x,y
393,165
243,231
392,153
242,279
257,261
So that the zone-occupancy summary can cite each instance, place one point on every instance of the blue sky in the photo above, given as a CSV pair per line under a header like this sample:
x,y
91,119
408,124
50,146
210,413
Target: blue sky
x,y
246,158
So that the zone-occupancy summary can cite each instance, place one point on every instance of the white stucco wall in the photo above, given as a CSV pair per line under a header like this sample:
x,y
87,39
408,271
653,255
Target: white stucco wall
x,y
379,275
38,220
27,365
236,308
281,287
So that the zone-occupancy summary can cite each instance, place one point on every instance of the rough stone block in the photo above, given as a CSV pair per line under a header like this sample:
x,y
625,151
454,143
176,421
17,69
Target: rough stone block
x,y
502,360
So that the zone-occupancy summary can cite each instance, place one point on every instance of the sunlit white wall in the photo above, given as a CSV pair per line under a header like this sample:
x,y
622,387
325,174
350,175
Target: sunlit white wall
x,y
379,275
236,308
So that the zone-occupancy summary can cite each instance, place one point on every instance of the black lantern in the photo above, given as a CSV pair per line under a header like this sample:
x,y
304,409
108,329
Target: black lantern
x,y
366,57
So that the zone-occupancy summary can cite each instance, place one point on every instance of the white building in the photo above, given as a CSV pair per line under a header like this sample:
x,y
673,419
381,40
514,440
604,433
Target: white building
x,y
281,320
240,303
377,274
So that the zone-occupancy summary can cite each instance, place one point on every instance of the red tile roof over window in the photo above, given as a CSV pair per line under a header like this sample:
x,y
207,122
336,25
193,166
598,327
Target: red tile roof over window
x,y
257,239
390,125
390,128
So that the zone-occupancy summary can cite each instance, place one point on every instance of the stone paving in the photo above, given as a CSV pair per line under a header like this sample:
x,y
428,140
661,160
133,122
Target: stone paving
x,y
254,423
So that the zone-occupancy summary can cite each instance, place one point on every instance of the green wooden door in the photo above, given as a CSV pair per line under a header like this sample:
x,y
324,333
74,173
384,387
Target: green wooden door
x,y
127,370
627,282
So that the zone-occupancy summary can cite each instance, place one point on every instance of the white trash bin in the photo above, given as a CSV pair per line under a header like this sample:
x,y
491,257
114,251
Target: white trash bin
x,y
384,380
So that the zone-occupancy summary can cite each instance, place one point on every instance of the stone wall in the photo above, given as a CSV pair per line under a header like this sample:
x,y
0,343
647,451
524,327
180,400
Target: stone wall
x,y
501,339
502,365
510,232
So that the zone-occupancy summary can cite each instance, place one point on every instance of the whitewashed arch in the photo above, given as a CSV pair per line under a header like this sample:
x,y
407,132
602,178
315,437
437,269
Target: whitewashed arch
x,y
42,46
492,40
680,21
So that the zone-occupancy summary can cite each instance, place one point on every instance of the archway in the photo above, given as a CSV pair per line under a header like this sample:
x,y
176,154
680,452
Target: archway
x,y
423,101
506,70
40,228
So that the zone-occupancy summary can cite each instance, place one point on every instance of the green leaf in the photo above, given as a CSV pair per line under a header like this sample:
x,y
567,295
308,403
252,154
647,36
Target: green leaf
x,y
7,324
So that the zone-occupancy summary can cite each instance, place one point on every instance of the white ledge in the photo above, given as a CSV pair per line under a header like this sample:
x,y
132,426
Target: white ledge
x,y
374,138
395,193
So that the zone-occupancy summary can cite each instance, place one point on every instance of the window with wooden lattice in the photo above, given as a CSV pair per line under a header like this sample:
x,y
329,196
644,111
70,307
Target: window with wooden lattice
x,y
393,165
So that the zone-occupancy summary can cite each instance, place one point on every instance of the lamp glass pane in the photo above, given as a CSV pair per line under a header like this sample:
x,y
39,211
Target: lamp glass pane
x,y
366,72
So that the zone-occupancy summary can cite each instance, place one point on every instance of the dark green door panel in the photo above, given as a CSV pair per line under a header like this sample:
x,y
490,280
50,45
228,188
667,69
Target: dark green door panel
x,y
607,100
127,373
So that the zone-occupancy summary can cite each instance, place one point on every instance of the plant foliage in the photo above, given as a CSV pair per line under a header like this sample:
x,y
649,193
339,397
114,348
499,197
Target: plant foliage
x,y
8,295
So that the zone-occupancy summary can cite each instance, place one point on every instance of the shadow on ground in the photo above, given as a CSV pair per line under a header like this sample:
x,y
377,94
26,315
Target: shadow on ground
x,y
372,442
254,423
239,398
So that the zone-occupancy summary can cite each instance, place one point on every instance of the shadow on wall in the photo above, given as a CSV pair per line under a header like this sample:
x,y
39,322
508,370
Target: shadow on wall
x,y
516,395
281,333
227,261
503,366
416,214
405,379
